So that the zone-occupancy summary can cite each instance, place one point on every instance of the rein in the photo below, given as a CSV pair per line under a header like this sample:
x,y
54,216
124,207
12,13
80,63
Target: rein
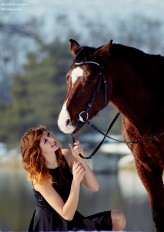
x,y
99,145
147,140
83,116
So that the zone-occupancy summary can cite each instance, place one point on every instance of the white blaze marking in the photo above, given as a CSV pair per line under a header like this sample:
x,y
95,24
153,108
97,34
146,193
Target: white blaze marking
x,y
62,120
76,73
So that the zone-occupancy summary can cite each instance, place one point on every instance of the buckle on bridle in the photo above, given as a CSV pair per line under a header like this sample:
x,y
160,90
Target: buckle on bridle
x,y
83,116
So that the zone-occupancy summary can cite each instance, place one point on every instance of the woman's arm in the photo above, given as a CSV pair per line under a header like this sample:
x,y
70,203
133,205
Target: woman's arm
x,y
89,179
67,209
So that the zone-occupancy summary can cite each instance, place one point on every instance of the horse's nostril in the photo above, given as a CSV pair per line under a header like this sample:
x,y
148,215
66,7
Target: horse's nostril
x,y
67,122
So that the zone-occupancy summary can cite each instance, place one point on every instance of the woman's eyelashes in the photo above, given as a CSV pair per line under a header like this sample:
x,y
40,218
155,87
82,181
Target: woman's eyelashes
x,y
48,135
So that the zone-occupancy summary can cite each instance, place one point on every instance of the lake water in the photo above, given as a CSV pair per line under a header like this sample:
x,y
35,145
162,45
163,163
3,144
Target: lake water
x,y
118,190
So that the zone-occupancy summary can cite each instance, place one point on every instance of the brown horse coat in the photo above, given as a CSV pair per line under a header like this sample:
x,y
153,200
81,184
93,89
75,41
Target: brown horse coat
x,y
135,83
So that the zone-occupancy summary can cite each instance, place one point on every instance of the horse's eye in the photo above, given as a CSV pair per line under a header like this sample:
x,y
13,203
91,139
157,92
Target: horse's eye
x,y
90,81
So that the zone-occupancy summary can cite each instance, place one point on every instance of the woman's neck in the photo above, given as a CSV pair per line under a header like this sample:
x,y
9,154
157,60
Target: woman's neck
x,y
51,161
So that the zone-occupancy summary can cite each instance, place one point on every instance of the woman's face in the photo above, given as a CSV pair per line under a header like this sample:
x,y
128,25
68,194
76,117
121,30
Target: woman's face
x,y
48,143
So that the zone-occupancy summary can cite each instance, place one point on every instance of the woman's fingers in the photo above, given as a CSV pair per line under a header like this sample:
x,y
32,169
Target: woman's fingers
x,y
76,142
77,148
78,168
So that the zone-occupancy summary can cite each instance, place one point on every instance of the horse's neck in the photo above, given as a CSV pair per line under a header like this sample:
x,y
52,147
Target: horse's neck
x,y
128,94
136,86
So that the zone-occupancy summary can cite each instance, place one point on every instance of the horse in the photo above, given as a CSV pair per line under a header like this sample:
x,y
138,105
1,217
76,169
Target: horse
x,y
132,81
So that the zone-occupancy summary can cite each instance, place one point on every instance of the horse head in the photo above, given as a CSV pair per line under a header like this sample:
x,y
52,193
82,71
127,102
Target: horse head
x,y
87,87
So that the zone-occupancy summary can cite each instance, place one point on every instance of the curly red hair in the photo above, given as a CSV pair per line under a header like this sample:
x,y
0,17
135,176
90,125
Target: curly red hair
x,y
33,160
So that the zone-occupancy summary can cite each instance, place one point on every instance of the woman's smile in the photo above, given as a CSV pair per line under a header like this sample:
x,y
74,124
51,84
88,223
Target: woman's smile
x,y
53,144
48,142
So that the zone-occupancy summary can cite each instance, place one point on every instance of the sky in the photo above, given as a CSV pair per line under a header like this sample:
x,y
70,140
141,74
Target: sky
x,y
107,12
108,18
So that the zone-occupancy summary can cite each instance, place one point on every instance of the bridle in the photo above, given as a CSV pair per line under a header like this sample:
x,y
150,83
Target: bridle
x,y
82,117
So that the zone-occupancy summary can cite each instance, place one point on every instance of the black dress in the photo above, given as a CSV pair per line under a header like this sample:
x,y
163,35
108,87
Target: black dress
x,y
45,218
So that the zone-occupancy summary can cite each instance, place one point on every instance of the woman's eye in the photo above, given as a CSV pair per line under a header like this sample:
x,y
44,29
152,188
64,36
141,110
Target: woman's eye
x,y
45,141
48,134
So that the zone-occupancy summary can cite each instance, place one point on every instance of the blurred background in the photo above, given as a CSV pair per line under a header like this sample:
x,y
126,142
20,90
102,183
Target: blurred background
x,y
34,58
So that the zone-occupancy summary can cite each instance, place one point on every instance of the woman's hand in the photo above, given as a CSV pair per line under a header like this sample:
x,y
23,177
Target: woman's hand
x,y
87,177
76,149
78,171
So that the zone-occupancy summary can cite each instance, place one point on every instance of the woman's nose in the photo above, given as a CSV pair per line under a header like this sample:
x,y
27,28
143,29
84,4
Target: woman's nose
x,y
52,140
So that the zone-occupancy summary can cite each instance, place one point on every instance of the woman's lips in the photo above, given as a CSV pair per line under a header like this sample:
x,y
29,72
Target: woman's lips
x,y
54,144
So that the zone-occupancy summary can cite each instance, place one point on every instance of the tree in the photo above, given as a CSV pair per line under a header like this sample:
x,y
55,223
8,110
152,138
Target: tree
x,y
15,39
36,92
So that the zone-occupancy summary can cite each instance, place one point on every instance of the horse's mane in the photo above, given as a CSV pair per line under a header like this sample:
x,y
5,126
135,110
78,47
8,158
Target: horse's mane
x,y
131,53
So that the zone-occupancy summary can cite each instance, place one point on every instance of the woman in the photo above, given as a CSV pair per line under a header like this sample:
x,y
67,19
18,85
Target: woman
x,y
56,175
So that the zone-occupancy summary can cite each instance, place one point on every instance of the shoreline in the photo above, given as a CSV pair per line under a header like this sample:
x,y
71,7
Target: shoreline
x,y
14,162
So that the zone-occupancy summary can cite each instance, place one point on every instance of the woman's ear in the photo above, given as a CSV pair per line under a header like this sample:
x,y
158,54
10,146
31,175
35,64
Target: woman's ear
x,y
74,47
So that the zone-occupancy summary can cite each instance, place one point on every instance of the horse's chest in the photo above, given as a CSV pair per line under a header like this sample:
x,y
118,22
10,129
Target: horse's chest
x,y
145,150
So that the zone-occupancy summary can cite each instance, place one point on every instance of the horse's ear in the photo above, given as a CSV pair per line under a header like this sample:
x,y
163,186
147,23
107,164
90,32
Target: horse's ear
x,y
74,47
106,48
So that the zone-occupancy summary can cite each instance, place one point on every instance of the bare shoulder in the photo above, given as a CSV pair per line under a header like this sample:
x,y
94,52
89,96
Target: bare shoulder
x,y
42,185
68,156
66,152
